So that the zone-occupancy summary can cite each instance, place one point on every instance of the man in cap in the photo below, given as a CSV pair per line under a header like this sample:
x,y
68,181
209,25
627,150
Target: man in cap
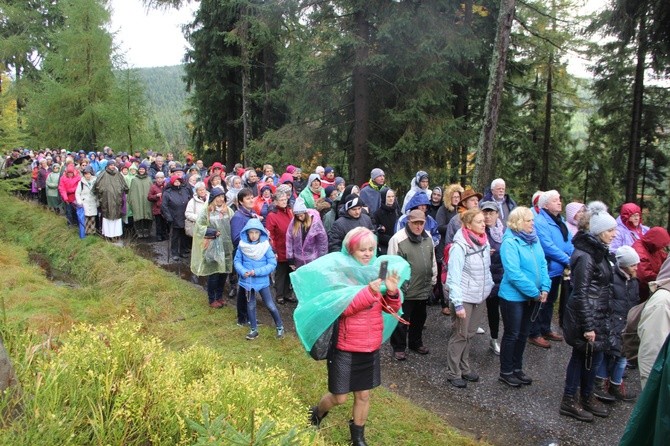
x,y
351,216
372,192
415,245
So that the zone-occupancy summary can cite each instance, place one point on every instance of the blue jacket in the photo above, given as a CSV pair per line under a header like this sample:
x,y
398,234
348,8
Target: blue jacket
x,y
556,250
252,256
238,222
431,225
525,275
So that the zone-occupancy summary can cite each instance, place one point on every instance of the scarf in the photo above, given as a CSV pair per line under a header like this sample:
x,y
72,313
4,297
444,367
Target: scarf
x,y
413,237
496,231
474,239
374,185
254,251
561,225
528,237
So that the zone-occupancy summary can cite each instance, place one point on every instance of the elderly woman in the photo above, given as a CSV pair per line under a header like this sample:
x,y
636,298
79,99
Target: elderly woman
x,y
469,282
195,206
212,253
53,200
573,213
139,203
525,282
86,199
354,362
277,223
629,227
586,320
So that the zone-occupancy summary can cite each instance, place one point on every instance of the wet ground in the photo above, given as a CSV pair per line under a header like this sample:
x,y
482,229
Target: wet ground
x,y
488,409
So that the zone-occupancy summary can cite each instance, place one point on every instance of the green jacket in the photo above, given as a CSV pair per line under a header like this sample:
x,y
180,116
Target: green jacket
x,y
421,258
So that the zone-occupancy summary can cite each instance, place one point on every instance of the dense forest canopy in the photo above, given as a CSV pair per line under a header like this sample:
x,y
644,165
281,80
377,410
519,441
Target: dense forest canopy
x,y
357,84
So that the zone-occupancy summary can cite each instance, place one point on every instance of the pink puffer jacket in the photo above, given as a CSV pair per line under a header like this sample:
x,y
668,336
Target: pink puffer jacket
x,y
361,324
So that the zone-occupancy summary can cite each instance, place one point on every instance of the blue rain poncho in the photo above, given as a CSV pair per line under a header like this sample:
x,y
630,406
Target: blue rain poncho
x,y
326,287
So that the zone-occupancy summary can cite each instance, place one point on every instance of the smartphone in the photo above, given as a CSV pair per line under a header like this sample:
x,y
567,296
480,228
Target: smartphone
x,y
383,269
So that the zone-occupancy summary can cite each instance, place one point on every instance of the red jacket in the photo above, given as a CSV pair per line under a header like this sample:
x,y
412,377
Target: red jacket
x,y
277,223
156,201
362,325
652,254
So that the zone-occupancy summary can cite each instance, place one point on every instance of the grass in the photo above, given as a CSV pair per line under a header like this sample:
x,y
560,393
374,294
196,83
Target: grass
x,y
106,283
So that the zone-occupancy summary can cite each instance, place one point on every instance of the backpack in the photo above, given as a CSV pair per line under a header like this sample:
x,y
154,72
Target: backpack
x,y
630,338
445,258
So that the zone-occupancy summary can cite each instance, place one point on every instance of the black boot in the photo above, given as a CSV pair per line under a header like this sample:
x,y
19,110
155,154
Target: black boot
x,y
357,434
591,404
600,390
314,418
571,408
621,393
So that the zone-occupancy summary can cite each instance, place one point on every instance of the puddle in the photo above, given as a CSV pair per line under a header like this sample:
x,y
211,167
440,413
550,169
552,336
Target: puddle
x,y
55,275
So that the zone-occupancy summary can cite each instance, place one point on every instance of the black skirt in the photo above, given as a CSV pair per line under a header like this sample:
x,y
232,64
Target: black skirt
x,y
352,371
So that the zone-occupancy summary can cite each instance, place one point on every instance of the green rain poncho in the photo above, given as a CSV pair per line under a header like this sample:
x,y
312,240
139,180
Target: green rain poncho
x,y
221,222
326,286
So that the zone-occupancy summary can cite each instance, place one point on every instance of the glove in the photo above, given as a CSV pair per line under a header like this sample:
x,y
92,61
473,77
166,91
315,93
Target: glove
x,y
210,233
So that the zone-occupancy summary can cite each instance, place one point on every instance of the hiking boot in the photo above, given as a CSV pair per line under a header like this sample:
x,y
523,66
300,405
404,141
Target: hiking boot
x,y
600,390
553,336
510,380
621,393
525,379
591,404
472,377
570,407
253,334
539,341
314,418
458,382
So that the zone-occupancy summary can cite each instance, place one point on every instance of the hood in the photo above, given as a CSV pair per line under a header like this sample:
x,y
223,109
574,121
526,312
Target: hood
x,y
254,223
571,210
417,200
663,278
71,169
286,178
312,177
628,209
656,238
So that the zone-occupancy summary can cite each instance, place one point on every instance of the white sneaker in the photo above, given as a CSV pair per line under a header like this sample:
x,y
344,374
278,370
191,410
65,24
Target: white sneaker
x,y
495,346
480,330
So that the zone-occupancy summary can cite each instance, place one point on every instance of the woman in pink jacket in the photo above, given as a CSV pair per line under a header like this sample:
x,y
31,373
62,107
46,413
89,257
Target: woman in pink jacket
x,y
67,188
354,364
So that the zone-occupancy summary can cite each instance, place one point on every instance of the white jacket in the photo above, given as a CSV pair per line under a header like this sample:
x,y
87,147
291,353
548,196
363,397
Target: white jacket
x,y
85,197
653,328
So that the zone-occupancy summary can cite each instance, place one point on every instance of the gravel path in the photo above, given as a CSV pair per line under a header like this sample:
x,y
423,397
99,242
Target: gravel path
x,y
487,409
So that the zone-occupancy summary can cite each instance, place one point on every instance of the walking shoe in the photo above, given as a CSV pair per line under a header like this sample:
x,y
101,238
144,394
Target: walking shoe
x,y
600,390
290,299
553,336
480,330
216,304
458,382
525,379
280,300
539,342
422,350
570,407
314,418
621,393
399,356
495,346
253,334
591,404
280,332
242,324
472,377
510,380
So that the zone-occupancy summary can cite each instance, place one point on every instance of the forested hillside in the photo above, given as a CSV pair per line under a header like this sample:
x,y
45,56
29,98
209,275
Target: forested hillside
x,y
166,100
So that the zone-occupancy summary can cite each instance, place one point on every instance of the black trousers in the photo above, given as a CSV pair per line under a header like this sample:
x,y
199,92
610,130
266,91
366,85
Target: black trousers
x,y
414,311
282,282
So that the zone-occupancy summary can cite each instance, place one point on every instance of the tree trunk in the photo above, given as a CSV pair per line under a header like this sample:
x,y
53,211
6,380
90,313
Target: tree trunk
x,y
484,163
636,117
546,144
246,85
461,110
360,166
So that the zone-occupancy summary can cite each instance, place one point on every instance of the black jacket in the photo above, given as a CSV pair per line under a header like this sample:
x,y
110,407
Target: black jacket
x,y
625,295
174,204
343,225
386,216
588,307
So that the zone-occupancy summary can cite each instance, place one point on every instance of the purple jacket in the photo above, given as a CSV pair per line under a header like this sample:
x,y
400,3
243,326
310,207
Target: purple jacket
x,y
300,252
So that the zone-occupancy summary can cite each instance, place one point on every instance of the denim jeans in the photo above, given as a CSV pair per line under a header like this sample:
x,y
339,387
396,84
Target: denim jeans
x,y
516,321
612,367
581,372
266,295
215,284
542,324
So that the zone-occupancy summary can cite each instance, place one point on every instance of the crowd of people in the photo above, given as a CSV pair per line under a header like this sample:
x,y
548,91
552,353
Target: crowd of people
x,y
473,254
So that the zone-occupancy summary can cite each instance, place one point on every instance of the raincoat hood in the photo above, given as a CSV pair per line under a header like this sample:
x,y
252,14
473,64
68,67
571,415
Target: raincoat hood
x,y
254,223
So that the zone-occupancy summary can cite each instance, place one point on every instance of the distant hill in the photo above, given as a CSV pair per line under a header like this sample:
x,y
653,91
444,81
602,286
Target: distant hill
x,y
166,95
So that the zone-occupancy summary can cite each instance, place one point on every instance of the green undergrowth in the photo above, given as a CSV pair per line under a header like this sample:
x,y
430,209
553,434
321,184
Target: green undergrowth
x,y
119,351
